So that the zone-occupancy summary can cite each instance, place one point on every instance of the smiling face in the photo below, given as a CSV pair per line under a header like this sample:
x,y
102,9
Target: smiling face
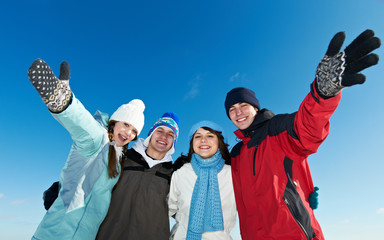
x,y
161,141
205,143
123,133
242,115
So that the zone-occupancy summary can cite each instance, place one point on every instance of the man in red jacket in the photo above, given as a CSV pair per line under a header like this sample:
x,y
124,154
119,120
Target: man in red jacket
x,y
270,171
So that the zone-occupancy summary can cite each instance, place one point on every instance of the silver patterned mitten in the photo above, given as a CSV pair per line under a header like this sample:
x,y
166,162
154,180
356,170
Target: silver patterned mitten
x,y
55,92
341,69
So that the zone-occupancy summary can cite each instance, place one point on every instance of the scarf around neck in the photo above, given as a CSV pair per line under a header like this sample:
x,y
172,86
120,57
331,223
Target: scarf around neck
x,y
205,214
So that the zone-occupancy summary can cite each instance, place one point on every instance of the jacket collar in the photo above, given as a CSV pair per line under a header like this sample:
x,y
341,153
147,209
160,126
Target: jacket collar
x,y
138,158
141,148
263,116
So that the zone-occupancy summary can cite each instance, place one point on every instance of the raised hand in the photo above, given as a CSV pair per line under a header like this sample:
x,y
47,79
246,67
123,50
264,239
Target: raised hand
x,y
341,69
54,91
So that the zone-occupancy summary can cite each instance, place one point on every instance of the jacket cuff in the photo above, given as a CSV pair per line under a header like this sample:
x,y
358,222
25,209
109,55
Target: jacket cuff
x,y
317,95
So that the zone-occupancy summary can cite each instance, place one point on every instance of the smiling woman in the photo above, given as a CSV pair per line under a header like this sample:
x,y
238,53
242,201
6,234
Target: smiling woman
x,y
201,197
123,133
205,143
94,162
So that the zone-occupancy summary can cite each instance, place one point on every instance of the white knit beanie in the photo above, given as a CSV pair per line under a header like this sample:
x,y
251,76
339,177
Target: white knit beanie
x,y
132,113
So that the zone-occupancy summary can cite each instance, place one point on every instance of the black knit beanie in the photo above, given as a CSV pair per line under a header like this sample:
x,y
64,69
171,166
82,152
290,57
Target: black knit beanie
x,y
240,95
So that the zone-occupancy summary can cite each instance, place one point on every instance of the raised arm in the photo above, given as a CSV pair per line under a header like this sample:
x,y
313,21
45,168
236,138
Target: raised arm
x,y
335,71
55,92
342,69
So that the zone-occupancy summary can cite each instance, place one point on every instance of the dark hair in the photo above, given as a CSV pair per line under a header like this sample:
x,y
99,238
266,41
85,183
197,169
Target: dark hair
x,y
223,147
112,161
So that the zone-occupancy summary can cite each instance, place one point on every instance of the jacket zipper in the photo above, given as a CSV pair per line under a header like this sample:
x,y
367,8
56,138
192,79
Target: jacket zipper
x,y
287,201
254,161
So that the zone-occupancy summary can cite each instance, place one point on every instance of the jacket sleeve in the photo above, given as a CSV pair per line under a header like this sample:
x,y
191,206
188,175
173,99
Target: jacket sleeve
x,y
86,133
173,196
311,122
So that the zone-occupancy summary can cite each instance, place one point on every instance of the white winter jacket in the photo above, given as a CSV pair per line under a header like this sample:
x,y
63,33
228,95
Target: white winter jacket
x,y
179,201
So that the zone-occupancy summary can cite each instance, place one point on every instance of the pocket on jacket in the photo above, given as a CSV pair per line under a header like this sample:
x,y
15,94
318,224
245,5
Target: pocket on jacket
x,y
160,183
295,204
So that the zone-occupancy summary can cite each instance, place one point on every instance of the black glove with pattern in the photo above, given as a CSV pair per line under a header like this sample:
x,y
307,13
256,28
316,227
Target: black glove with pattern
x,y
341,69
54,91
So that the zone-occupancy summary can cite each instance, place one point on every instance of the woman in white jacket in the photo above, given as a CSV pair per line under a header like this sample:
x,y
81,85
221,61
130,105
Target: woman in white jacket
x,y
94,162
201,197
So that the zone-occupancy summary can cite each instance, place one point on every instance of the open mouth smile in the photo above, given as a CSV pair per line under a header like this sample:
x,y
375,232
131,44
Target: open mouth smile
x,y
241,119
123,138
162,142
204,147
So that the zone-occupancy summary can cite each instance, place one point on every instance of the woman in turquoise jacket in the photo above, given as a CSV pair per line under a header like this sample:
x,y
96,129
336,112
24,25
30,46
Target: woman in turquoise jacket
x,y
93,165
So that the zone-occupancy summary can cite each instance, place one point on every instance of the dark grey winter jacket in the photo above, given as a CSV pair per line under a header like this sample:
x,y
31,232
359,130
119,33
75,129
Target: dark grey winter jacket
x,y
138,208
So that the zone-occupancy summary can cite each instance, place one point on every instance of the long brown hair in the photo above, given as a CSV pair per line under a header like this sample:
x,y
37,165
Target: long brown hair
x,y
223,147
112,161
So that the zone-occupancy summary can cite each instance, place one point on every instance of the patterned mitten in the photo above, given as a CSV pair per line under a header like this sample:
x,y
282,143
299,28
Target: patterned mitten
x,y
54,91
341,69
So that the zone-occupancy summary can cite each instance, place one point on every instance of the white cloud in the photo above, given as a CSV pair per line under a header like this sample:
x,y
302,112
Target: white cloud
x,y
234,77
6,217
380,211
194,88
346,221
1,195
18,202
238,77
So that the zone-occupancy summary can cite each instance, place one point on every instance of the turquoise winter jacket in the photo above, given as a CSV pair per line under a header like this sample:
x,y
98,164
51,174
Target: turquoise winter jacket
x,y
85,191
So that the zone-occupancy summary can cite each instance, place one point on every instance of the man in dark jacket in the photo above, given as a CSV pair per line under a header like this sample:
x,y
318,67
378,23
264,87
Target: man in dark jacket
x,y
138,208
270,171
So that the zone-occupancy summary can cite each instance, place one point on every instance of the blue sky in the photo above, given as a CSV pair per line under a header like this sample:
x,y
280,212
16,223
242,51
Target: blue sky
x,y
184,56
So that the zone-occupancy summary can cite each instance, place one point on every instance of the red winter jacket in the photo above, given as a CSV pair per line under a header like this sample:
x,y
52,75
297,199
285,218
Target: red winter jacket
x,y
270,171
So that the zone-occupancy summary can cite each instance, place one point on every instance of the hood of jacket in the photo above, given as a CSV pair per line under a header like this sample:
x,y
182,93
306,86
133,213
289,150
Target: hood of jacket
x,y
141,148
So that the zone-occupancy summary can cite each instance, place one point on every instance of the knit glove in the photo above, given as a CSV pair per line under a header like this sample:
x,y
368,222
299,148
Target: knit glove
x,y
341,69
314,199
54,91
